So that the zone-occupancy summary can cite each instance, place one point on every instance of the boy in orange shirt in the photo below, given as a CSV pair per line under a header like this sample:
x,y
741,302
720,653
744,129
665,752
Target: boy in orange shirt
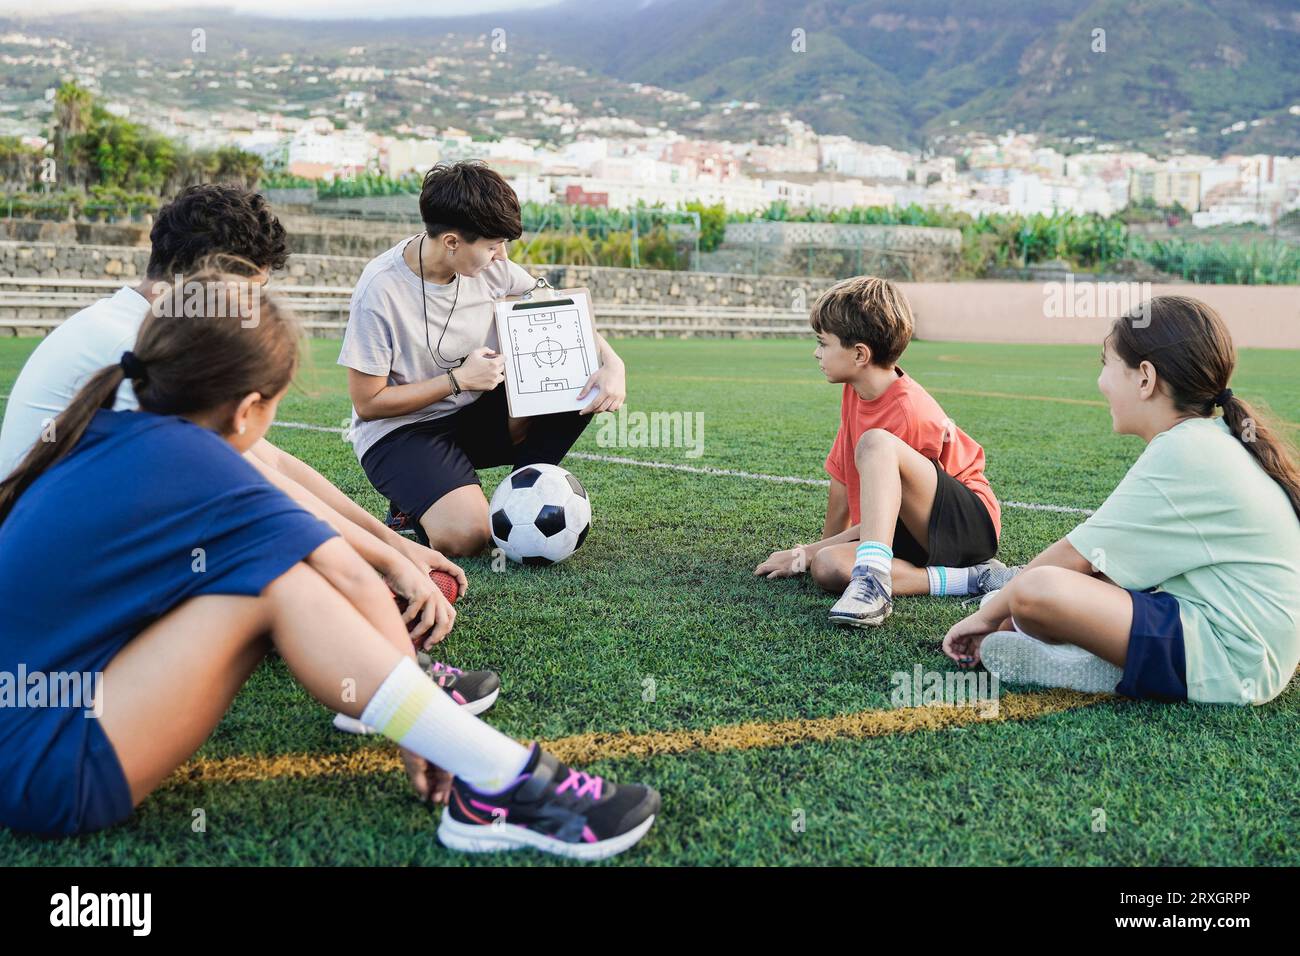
x,y
910,511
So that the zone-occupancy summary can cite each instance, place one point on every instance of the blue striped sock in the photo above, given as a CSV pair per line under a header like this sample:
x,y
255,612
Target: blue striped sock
x,y
877,558
948,581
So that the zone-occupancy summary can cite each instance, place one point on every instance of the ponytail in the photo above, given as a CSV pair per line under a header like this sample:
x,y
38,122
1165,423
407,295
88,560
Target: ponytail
x,y
1264,441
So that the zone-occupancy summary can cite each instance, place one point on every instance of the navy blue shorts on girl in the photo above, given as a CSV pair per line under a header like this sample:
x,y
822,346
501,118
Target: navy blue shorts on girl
x,y
1156,666
144,513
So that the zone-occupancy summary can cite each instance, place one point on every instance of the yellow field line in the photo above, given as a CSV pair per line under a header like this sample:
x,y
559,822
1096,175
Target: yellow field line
x,y
584,749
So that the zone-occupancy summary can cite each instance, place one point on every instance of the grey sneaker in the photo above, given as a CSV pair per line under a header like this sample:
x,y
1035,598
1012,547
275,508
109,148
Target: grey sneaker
x,y
1020,659
993,575
864,602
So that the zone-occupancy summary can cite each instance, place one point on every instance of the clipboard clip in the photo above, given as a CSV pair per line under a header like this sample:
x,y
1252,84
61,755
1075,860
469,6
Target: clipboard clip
x,y
542,283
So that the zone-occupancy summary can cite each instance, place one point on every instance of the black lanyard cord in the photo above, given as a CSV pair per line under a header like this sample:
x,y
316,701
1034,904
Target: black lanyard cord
x,y
424,306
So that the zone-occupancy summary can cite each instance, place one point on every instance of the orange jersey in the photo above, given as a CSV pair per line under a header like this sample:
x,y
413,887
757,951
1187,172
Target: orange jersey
x,y
910,412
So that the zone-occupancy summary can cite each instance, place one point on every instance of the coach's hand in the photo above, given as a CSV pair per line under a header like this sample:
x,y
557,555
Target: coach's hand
x,y
611,380
483,370
784,564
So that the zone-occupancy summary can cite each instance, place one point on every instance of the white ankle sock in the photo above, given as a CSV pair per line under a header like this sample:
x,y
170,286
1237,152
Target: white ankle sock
x,y
948,581
878,558
409,709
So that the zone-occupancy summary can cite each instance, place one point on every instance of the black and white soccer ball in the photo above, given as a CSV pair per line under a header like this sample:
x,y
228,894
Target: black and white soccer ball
x,y
540,514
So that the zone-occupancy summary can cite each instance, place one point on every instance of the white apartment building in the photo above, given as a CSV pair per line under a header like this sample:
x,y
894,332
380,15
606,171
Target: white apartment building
x,y
349,149
851,158
401,156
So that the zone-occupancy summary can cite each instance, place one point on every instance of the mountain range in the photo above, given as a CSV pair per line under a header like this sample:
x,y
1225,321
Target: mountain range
x,y
1212,76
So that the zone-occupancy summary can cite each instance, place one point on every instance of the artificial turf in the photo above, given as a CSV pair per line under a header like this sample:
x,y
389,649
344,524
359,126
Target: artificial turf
x,y
662,591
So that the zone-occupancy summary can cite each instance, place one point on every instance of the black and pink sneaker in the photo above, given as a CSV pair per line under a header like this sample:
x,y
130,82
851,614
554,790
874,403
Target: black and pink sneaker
x,y
475,691
552,808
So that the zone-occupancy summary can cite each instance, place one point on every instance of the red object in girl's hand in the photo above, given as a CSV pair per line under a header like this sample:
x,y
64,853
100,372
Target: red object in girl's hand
x,y
448,585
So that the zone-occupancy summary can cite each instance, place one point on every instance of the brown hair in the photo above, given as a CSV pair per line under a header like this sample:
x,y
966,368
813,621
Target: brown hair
x,y
869,310
208,357
214,218
1192,351
469,198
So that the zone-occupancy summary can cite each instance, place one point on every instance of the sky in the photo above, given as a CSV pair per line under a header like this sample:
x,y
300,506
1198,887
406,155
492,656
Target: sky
x,y
351,9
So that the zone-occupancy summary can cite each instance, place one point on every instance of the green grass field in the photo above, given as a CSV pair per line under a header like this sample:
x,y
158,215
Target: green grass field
x,y
663,589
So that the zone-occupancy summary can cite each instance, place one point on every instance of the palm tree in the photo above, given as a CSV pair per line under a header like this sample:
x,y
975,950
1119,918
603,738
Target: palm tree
x,y
73,112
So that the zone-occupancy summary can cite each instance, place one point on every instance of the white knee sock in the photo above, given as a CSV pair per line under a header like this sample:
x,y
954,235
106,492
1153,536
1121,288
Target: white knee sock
x,y
411,710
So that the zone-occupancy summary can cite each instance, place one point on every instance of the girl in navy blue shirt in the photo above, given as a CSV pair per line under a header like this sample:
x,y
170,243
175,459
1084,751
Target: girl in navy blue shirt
x,y
146,568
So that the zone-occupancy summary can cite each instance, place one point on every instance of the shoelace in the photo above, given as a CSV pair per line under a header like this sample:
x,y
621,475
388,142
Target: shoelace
x,y
865,586
583,784
439,667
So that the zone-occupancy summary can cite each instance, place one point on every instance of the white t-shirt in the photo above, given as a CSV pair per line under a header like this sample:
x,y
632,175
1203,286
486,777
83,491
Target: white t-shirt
x,y
387,333
75,350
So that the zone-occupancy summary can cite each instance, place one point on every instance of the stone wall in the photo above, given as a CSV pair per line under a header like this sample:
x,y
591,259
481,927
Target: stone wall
x,y
1258,316
837,250
622,286
68,261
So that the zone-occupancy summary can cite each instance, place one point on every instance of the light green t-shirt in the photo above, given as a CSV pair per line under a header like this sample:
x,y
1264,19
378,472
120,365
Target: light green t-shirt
x,y
1197,517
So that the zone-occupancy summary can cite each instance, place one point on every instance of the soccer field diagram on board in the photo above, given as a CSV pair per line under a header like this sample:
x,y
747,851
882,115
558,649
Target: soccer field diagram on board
x,y
550,350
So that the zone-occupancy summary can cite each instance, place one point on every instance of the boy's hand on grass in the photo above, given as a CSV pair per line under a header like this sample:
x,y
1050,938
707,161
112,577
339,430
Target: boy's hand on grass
x,y
963,640
784,564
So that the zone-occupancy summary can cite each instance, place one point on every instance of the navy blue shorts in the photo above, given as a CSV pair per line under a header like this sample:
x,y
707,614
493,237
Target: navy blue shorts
x,y
71,783
1156,666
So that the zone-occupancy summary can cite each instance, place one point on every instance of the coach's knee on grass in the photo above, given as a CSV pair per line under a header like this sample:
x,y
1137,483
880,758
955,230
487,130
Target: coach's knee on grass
x,y
457,523
463,537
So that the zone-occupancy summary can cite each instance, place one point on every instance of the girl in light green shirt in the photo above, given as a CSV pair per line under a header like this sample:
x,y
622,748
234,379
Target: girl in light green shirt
x,y
1185,584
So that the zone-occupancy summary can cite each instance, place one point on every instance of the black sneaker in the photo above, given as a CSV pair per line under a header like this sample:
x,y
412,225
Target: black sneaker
x,y
405,525
552,808
475,691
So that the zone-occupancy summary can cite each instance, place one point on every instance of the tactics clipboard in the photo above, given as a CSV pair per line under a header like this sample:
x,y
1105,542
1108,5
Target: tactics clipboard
x,y
549,347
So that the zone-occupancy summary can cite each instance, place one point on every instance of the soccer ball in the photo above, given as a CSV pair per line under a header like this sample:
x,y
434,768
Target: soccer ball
x,y
540,514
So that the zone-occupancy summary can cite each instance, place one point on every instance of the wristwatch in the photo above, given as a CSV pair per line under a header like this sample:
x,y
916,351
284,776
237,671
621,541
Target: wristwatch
x,y
455,387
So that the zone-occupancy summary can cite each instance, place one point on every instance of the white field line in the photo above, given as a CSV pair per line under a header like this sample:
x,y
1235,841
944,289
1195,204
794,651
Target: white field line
x,y
717,472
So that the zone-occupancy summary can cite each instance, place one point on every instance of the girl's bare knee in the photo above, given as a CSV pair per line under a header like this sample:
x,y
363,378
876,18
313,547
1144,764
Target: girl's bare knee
x,y
1035,593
